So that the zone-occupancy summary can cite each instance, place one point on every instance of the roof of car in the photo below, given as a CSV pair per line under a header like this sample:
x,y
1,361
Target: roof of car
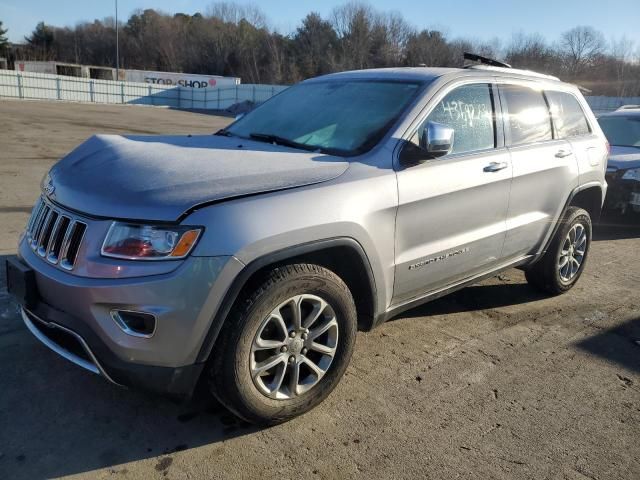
x,y
420,74
428,74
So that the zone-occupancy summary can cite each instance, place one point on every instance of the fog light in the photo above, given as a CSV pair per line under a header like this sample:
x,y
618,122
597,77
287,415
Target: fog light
x,y
137,324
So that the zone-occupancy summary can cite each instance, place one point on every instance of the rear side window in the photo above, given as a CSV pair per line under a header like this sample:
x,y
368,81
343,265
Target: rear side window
x,y
568,116
527,114
469,111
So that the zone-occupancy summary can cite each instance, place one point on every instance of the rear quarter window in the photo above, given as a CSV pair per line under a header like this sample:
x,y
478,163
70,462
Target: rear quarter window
x,y
527,114
567,114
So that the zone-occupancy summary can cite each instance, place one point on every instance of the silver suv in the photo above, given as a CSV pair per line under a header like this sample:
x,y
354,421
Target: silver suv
x,y
249,258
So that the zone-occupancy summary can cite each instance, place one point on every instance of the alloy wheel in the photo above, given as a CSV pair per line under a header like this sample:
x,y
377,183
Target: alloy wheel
x,y
572,253
294,347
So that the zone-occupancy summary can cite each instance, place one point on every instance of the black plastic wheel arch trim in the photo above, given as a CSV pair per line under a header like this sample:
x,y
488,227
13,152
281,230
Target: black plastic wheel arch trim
x,y
275,257
572,195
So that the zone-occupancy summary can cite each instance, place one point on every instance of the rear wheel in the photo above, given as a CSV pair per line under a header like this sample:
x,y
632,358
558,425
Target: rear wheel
x,y
285,345
561,266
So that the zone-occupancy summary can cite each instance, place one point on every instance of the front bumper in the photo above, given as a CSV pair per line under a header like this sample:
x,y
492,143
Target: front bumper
x,y
183,301
74,347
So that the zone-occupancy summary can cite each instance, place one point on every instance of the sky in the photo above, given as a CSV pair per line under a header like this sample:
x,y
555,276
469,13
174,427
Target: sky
x,y
482,19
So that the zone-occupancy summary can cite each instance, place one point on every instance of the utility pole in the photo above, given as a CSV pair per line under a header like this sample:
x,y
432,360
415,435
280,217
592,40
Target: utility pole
x,y
117,46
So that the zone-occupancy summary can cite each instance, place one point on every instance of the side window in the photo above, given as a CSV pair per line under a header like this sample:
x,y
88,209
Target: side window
x,y
469,111
527,114
568,116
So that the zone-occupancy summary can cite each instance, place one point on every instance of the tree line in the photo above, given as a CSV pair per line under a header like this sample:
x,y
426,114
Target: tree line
x,y
233,40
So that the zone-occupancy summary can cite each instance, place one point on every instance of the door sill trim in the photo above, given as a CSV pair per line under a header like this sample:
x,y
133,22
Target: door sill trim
x,y
398,308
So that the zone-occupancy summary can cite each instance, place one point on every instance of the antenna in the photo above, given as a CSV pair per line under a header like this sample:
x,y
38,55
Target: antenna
x,y
485,60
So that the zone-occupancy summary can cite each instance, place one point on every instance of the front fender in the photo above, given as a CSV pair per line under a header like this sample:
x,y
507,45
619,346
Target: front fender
x,y
243,276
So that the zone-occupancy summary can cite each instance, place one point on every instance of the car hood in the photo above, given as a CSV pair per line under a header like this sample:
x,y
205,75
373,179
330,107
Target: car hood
x,y
624,157
161,177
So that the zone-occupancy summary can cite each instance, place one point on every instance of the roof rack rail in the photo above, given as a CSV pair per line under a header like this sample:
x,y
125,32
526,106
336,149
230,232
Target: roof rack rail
x,y
517,71
497,66
484,60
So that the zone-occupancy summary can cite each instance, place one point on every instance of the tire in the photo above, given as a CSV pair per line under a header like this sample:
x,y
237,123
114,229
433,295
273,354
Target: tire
x,y
252,324
546,274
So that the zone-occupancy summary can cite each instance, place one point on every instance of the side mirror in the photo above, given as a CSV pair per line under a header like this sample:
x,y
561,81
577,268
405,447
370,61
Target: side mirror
x,y
437,139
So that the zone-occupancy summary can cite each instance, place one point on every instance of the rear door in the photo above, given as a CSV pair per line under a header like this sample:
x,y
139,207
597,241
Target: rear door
x,y
545,168
452,210
570,123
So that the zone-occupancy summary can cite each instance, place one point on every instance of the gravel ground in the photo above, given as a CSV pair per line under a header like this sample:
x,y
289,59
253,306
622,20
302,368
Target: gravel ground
x,y
494,381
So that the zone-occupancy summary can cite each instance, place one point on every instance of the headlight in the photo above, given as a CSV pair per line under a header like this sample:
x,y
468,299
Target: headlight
x,y
149,242
632,174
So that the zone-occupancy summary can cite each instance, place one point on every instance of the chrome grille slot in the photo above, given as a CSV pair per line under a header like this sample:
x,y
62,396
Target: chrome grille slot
x,y
55,235
42,217
72,245
45,235
55,244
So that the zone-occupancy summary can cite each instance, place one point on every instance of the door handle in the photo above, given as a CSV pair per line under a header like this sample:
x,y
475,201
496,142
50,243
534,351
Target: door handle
x,y
496,166
563,153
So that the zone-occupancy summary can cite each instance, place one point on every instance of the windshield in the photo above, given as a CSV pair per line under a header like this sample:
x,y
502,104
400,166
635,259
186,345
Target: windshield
x,y
621,131
343,117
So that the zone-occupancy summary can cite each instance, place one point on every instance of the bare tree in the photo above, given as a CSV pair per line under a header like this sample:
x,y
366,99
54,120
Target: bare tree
x,y
353,23
532,52
429,48
230,12
390,34
622,51
581,47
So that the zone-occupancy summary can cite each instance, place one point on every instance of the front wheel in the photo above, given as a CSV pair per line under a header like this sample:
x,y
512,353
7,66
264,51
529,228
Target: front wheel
x,y
285,345
561,266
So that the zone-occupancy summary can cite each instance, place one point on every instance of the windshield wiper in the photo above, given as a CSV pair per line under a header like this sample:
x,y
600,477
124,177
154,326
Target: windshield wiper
x,y
285,142
223,132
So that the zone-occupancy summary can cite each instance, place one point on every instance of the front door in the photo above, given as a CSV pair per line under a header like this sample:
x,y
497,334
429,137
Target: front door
x,y
452,210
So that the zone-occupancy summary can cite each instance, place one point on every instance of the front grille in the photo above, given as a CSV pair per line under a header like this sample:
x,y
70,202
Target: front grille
x,y
54,234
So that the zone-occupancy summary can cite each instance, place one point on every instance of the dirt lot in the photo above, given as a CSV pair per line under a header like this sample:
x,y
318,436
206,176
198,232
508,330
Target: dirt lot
x,y
494,381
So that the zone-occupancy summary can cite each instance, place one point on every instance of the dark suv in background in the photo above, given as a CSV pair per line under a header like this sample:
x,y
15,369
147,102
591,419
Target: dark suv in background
x,y
622,129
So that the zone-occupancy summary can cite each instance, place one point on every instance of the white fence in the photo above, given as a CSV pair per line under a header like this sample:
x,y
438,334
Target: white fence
x,y
40,86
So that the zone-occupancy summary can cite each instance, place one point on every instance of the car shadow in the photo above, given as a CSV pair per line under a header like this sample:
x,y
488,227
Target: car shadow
x,y
613,226
476,297
620,345
56,419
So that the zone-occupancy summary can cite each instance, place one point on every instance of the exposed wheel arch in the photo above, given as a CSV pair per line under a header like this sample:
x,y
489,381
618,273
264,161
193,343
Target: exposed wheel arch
x,y
343,255
589,199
